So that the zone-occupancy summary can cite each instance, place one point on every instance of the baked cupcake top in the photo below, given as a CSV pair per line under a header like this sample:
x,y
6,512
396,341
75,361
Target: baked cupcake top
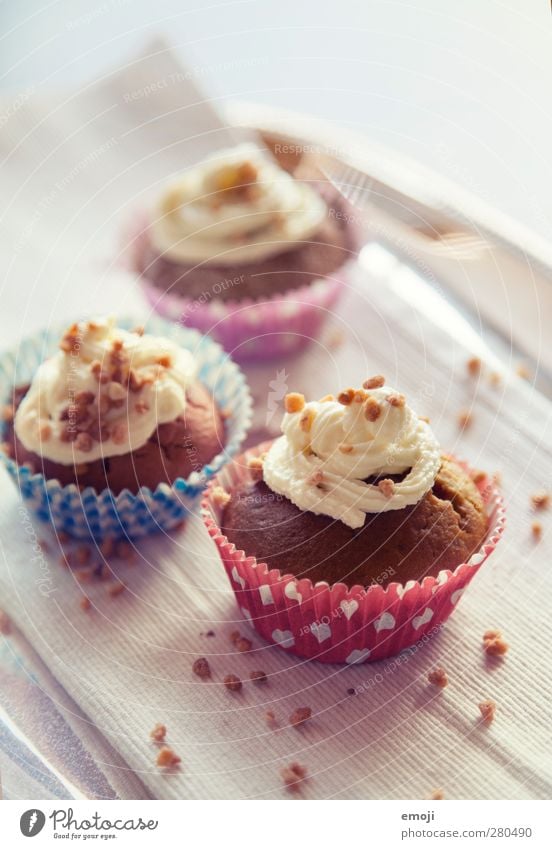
x,y
236,207
332,449
103,393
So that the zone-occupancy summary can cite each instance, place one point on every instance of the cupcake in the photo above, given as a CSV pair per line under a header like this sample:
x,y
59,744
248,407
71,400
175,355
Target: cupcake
x,y
121,424
352,535
241,249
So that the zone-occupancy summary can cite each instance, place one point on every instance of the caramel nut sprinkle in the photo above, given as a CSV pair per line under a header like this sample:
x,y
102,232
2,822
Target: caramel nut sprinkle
x,y
116,589
536,530
437,794
396,400
438,677
82,555
541,500
374,382
167,757
487,710
255,466
478,476
270,718
299,716
496,647
473,366
68,434
317,478
220,497
346,397
243,644
372,409
158,732
345,447
232,683
294,402
84,442
164,361
234,636
258,677
386,487
84,603
492,634
360,396
45,432
327,398
84,398
201,668
293,775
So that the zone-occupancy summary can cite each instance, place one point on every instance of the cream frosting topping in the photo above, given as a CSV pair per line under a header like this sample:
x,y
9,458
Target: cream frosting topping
x,y
236,207
103,393
329,448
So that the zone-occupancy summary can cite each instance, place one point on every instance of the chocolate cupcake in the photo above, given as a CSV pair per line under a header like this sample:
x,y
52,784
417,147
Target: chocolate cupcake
x,y
120,428
115,409
355,509
236,232
357,489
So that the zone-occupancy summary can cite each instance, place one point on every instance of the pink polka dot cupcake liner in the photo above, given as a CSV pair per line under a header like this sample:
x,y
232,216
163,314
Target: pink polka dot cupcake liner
x,y
335,623
262,328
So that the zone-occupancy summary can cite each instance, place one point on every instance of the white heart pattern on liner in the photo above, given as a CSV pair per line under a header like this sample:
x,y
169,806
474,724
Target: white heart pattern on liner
x,y
385,622
266,594
292,592
349,607
422,619
358,655
238,578
401,590
476,559
247,614
455,597
283,638
321,631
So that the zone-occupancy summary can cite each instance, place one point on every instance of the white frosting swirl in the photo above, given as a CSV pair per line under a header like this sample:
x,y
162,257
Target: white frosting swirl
x,y
322,468
52,421
206,217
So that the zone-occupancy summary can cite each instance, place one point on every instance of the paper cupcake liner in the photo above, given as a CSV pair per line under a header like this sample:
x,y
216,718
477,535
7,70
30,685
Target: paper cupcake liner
x,y
337,624
262,328
85,513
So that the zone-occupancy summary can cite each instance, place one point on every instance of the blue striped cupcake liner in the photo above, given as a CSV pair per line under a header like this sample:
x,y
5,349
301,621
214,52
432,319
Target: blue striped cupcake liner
x,y
87,513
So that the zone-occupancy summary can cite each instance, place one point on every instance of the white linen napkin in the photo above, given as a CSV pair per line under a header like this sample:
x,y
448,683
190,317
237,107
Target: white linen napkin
x,y
127,663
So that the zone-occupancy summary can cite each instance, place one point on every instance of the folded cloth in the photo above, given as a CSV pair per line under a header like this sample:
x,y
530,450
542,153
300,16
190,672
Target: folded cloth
x,y
127,661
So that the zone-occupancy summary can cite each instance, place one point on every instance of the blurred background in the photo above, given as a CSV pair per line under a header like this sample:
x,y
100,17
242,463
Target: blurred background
x,y
463,87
